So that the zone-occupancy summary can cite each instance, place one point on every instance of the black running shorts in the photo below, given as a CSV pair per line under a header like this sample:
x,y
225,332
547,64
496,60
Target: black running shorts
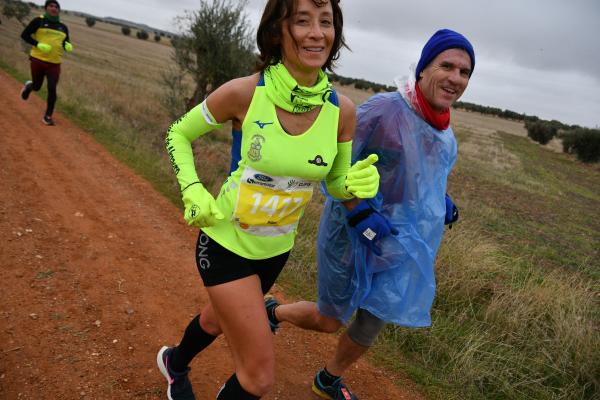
x,y
218,265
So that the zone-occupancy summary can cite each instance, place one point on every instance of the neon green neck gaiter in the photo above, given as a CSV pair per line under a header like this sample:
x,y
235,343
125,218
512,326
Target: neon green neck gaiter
x,y
285,93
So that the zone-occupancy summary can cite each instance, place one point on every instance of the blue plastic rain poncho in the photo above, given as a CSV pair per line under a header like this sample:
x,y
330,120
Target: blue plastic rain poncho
x,y
415,160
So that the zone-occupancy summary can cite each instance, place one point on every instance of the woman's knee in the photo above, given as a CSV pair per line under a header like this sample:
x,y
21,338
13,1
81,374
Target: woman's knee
x,y
258,375
209,322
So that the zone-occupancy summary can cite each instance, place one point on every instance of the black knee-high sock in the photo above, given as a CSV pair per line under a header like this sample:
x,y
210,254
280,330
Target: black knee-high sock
x,y
194,340
232,390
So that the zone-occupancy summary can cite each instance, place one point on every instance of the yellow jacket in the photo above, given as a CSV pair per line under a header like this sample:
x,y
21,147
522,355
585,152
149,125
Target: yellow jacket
x,y
43,30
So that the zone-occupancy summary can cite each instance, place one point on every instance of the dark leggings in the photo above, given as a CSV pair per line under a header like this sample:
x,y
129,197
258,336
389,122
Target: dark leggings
x,y
41,69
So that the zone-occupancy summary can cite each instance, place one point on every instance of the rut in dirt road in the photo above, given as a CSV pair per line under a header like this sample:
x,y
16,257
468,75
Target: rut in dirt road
x,y
98,272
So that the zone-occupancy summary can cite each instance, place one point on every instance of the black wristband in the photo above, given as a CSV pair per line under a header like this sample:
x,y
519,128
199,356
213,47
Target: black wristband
x,y
193,183
355,219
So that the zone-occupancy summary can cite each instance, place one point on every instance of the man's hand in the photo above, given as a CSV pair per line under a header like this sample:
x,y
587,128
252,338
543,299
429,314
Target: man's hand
x,y
200,207
370,225
362,180
44,47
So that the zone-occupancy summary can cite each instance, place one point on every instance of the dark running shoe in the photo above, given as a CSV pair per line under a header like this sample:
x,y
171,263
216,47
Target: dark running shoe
x,y
26,90
337,391
180,387
48,120
271,304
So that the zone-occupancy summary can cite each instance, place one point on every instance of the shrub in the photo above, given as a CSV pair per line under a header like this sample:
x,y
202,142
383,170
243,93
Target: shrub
x,y
90,21
360,84
157,38
17,10
142,35
197,54
584,142
541,131
126,30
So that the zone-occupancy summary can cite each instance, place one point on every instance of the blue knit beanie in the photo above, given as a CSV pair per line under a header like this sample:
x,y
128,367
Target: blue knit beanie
x,y
443,40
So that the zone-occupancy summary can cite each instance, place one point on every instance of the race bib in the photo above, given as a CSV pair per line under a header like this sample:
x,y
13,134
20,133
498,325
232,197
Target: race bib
x,y
270,205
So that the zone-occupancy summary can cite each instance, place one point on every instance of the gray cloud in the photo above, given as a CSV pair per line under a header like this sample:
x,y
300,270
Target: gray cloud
x,y
548,34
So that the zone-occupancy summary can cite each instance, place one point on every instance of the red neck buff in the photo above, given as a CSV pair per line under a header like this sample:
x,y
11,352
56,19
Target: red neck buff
x,y
439,120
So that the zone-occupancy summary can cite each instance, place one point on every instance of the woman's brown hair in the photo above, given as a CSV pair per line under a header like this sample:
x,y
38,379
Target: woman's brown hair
x,y
268,36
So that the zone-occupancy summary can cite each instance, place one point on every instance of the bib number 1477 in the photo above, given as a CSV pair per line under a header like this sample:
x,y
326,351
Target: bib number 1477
x,y
271,206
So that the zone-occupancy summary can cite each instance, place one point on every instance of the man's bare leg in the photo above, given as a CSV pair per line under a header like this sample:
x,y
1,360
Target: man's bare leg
x,y
347,353
304,314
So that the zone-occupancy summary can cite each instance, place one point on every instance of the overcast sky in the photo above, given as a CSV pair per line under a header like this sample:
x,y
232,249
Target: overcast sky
x,y
539,57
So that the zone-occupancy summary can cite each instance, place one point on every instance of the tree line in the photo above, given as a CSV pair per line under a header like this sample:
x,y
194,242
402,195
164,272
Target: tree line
x,y
498,112
361,84
126,30
583,142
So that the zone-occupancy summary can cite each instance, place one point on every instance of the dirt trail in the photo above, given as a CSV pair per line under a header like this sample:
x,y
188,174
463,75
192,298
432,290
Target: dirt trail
x,y
97,272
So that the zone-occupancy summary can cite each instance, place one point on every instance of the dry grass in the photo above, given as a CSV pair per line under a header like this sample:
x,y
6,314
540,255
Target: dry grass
x,y
486,147
486,124
509,321
502,328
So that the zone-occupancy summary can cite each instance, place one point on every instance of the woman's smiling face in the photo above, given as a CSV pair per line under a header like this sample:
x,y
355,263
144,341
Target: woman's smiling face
x,y
307,37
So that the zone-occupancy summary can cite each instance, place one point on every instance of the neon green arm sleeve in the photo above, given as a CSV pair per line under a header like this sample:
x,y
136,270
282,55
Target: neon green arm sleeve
x,y
180,136
336,179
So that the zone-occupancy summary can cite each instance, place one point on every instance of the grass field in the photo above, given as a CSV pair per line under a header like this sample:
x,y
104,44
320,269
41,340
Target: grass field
x,y
517,311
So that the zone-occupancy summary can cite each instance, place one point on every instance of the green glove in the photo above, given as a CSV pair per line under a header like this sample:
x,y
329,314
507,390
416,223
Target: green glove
x,y
68,47
200,207
44,48
363,178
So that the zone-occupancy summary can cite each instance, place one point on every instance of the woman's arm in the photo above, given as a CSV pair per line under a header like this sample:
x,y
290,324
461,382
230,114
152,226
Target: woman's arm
x,y
228,102
347,122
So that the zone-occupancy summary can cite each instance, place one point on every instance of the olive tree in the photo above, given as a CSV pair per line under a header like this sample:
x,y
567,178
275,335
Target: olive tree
x,y
16,9
216,45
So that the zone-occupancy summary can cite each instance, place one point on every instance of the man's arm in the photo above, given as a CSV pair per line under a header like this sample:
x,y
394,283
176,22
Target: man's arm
x,y
67,39
30,30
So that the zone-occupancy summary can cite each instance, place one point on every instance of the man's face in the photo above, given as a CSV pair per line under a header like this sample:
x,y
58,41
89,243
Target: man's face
x,y
53,10
445,79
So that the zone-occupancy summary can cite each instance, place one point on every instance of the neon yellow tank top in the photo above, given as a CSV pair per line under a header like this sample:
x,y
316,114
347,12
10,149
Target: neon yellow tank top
x,y
265,197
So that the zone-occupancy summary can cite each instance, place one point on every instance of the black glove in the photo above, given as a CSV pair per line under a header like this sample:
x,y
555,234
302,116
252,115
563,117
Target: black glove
x,y
451,212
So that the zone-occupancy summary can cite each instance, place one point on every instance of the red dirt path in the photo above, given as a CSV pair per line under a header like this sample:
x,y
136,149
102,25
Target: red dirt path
x,y
97,272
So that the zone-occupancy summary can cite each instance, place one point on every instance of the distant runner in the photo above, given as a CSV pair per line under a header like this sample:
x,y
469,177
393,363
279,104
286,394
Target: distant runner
x,y
49,37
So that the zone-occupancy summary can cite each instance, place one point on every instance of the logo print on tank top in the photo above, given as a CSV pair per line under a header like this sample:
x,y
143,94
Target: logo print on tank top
x,y
255,147
318,161
262,125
